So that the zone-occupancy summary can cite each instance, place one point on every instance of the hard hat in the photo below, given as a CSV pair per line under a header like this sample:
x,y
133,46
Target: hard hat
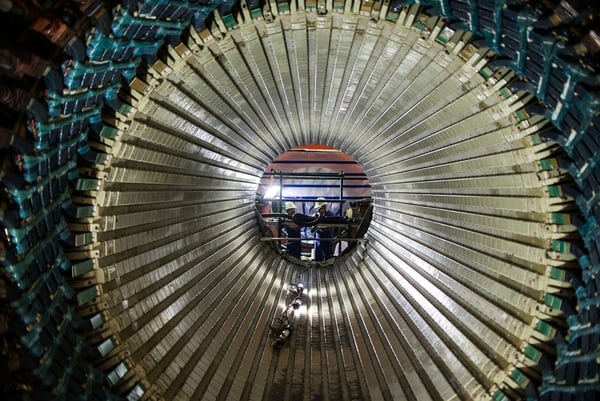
x,y
289,205
321,202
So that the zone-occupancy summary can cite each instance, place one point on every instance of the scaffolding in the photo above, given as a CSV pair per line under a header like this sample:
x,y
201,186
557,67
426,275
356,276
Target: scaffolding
x,y
350,226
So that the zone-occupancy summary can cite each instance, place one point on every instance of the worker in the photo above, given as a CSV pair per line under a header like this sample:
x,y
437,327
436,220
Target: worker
x,y
293,247
323,249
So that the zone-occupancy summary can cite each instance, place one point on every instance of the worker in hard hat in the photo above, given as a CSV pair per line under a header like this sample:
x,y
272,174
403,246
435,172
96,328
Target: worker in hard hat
x,y
323,249
293,247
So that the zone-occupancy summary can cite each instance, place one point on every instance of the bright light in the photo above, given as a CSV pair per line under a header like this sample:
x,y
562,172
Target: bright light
x,y
272,192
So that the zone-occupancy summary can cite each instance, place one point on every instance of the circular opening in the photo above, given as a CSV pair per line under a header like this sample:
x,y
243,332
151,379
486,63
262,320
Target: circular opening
x,y
314,203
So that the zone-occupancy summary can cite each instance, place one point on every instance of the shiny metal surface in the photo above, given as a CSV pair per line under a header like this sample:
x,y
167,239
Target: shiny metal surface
x,y
440,304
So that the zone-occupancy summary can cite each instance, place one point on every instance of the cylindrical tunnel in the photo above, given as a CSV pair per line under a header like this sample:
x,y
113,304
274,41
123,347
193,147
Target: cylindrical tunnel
x,y
463,285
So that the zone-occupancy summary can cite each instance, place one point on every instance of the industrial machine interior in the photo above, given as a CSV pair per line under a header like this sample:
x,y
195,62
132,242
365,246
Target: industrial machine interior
x,y
138,255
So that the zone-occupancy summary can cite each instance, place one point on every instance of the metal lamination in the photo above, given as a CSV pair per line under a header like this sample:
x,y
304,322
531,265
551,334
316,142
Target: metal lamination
x,y
452,290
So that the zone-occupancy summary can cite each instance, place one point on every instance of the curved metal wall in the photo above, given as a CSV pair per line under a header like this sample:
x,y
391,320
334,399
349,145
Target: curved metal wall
x,y
462,285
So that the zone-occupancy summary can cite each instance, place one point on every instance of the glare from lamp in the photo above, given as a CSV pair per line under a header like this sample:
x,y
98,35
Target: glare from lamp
x,y
272,192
